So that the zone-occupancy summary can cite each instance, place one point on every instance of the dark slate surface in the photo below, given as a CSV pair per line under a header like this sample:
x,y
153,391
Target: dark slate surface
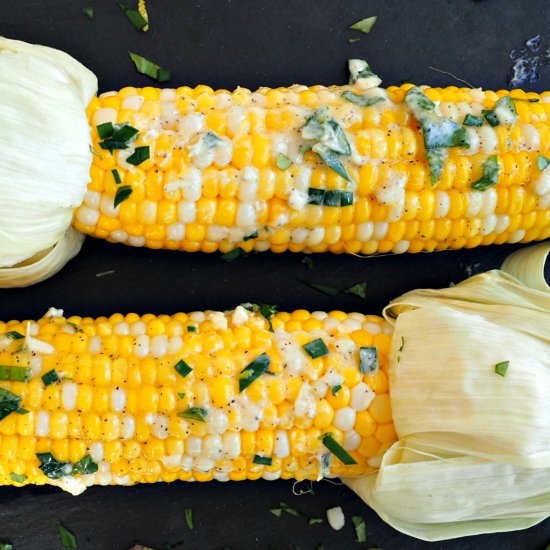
x,y
227,43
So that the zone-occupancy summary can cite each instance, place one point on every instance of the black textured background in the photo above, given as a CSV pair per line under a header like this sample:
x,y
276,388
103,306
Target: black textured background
x,y
225,43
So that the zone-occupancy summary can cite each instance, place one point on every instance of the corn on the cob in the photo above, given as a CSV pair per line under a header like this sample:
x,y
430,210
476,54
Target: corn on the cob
x,y
156,398
254,185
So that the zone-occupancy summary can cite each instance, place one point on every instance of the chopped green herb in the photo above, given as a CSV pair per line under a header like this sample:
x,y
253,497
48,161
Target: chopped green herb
x,y
506,107
502,368
334,163
360,528
368,359
365,25
289,510
276,511
53,468
253,371
122,193
313,521
9,402
211,140
315,196
473,120
84,466
353,40
234,254
436,161
21,410
182,367
6,546
308,262
88,12
181,395
346,198
491,117
67,538
359,290
191,328
329,197
50,377
283,162
194,413
360,70
17,478
141,154
316,348
148,68
336,389
267,312
116,176
189,517
336,449
250,236
332,198
265,460
116,136
542,162
418,100
137,20
105,130
402,344
361,100
15,374
325,289
489,177
13,335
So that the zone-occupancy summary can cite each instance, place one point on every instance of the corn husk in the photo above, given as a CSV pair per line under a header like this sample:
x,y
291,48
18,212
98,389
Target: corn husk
x,y
473,454
45,162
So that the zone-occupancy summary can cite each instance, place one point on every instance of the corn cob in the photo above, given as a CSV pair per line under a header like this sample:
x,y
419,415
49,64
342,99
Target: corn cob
x,y
130,399
257,187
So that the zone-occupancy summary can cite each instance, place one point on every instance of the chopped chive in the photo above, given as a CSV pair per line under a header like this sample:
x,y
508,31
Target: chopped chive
x,y
346,198
316,348
368,359
137,20
276,511
105,130
116,176
489,176
234,254
336,389
21,410
189,517
194,413
253,371
360,528
359,290
353,40
148,68
315,196
473,120
542,162
116,136
15,374
337,450
250,236
141,154
491,117
13,335
183,368
67,538
181,395
191,328
88,12
264,460
361,100
50,378
85,466
283,162
289,510
331,198
313,521
365,25
122,193
330,158
267,312
325,289
18,478
53,468
502,368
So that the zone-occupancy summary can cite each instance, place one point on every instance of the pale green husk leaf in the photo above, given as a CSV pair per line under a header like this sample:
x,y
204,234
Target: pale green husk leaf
x,y
473,454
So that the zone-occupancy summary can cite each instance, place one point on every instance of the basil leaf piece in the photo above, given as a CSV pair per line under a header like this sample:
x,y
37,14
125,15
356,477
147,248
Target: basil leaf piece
x,y
264,460
116,136
17,478
353,40
148,68
473,120
105,130
365,25
368,360
14,335
254,370
122,193
505,110
436,161
337,450
67,538
359,290
191,328
15,374
313,521
50,378
267,312
315,196
85,466
182,367
542,162
502,368
140,154
331,198
250,236
489,177
361,100
418,100
53,468
334,163
137,20
359,69
6,546
194,413
9,402
316,348
283,162
346,198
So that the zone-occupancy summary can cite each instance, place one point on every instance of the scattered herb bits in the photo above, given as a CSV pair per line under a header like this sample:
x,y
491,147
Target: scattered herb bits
x,y
9,402
361,100
364,25
116,176
84,466
359,290
15,374
50,378
67,538
368,360
250,236
17,478
135,17
283,162
148,68
53,468
122,193
254,370
263,460
116,136
140,154
337,450
191,328
316,348
6,546
194,413
182,367
88,12
489,176
234,254
267,312
313,521
542,162
13,335
189,517
336,389
360,529
473,120
502,368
